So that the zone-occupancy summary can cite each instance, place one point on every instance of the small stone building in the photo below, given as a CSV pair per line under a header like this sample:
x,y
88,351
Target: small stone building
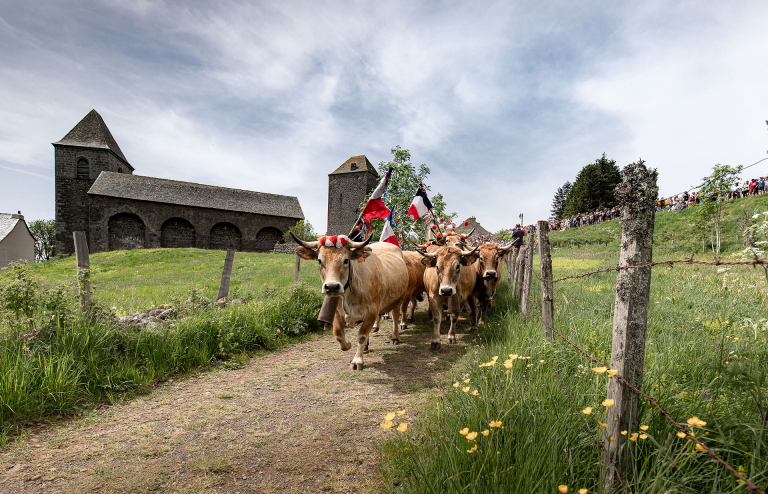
x,y
348,186
479,230
96,192
16,241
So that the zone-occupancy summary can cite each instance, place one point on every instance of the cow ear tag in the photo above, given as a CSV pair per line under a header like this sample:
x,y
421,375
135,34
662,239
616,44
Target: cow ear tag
x,y
360,259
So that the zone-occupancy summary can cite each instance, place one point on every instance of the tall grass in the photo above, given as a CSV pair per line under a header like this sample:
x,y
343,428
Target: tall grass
x,y
706,356
81,360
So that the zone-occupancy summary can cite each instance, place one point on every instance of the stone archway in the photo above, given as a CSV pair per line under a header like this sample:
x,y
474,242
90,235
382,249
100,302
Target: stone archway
x,y
267,238
177,233
125,232
225,236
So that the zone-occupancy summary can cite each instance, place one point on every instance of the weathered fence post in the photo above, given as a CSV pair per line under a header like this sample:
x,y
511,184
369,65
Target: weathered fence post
x,y
296,268
547,287
83,268
637,196
519,272
528,271
226,274
510,261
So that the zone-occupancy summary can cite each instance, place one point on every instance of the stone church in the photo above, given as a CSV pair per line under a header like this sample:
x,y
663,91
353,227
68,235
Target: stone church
x,y
97,192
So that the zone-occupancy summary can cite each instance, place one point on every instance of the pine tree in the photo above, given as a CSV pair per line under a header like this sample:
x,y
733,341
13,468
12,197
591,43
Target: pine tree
x,y
561,197
594,187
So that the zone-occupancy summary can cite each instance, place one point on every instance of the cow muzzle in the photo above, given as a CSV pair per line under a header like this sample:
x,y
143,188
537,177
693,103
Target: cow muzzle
x,y
447,291
333,288
490,275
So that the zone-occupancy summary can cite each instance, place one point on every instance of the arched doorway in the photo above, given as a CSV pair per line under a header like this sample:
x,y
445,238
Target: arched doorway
x,y
225,236
268,237
125,232
177,233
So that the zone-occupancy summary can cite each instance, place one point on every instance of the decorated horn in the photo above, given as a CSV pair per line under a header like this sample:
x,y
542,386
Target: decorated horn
x,y
306,245
471,232
506,249
428,255
359,245
469,252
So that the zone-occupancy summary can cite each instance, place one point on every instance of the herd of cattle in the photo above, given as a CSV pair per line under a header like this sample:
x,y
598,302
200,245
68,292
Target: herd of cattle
x,y
379,278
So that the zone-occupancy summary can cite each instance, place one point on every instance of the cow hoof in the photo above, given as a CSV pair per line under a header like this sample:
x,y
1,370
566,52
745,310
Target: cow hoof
x,y
346,346
434,346
356,366
395,341
410,319
403,326
366,350
451,341
374,329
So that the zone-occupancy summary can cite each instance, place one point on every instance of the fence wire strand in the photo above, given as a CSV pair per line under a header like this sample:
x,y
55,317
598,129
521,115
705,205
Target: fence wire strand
x,y
751,487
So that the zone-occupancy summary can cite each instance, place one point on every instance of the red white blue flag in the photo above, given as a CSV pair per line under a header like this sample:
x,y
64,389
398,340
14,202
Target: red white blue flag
x,y
375,207
420,205
388,234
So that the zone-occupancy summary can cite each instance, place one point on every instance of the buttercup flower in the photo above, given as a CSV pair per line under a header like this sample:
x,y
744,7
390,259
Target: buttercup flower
x,y
600,369
562,488
386,425
485,432
456,384
473,449
583,491
464,431
602,425
587,411
495,423
465,389
623,433
643,436
696,422
612,372
402,427
512,356
681,435
401,412
633,437
471,436
390,416
644,427
466,381
699,447
608,403
474,393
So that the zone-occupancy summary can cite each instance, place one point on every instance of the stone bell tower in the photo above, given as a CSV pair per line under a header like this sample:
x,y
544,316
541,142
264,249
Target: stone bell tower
x,y
347,188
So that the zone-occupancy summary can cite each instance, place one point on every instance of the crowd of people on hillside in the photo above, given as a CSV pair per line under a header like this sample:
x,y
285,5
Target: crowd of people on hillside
x,y
584,219
687,199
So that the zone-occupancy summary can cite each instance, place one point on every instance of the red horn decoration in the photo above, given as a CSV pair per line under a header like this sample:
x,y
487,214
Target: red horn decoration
x,y
322,240
439,235
442,220
434,227
466,223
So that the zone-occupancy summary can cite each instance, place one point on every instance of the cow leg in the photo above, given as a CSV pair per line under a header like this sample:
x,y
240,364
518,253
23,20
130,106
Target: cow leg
x,y
362,341
375,328
436,308
338,329
474,311
398,318
451,331
411,310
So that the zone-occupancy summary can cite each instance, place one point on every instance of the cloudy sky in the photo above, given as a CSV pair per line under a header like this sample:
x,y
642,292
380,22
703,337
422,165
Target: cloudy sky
x,y
504,101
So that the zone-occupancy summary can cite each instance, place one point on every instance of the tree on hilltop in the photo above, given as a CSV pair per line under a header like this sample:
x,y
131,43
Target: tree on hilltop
x,y
561,197
594,187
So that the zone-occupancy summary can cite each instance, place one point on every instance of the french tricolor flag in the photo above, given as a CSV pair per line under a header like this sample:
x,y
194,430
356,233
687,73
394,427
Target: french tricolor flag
x,y
420,205
388,234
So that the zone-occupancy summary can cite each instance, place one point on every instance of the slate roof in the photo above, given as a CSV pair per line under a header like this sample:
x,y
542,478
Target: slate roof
x,y
479,230
92,132
161,190
362,165
8,223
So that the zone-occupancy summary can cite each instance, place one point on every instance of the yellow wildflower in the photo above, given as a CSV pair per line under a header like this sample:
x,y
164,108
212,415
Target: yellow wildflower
x,y
541,361
643,436
699,447
464,431
402,427
587,411
456,384
623,433
612,372
608,403
471,436
495,423
611,438
512,357
600,370
466,381
401,412
485,432
644,427
602,425
474,392
508,364
562,488
465,389
696,422
495,358
473,449
633,437
386,425
583,491
681,435
389,417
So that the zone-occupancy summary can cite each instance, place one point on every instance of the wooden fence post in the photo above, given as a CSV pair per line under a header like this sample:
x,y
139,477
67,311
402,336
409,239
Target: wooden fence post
x,y
519,272
83,268
509,261
296,268
528,273
637,196
226,274
547,287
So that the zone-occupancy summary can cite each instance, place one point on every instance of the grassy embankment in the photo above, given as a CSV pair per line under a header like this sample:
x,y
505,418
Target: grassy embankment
x,y
706,356
61,361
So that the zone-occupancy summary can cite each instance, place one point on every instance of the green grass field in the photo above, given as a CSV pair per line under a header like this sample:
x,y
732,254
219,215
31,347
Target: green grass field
x,y
706,356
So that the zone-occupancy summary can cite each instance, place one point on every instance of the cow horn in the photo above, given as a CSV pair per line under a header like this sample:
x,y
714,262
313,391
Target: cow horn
x,y
465,253
428,255
359,245
470,233
506,249
306,245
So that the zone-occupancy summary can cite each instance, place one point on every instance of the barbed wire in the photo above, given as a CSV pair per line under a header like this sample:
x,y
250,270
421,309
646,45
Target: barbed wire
x,y
751,486
670,263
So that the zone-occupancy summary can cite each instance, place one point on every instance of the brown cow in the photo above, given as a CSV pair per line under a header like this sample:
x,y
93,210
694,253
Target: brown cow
x,y
370,279
487,271
449,274
415,284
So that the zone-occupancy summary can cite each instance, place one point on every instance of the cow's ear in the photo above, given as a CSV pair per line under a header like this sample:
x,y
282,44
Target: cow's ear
x,y
429,262
358,253
304,253
469,260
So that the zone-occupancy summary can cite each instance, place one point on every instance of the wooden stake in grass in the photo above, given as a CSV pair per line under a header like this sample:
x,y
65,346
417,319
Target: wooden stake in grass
x,y
547,287
83,268
296,269
528,271
637,196
519,272
226,274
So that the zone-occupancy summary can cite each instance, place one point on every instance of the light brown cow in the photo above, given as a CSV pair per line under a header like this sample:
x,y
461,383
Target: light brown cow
x,y
415,284
370,279
487,272
449,274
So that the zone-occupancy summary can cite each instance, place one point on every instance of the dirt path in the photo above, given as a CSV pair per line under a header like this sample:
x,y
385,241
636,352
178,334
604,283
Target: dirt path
x,y
297,420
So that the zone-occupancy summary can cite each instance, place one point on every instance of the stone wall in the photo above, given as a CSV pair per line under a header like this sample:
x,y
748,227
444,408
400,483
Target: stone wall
x,y
346,191
213,228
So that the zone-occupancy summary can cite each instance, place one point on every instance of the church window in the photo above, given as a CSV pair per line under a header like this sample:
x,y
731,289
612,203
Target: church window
x,y
83,170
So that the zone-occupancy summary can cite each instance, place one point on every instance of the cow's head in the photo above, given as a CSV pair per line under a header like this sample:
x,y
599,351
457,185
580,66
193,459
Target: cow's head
x,y
489,257
447,262
334,256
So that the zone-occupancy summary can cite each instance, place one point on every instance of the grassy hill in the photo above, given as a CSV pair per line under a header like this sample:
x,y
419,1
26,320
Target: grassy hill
x,y
674,231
